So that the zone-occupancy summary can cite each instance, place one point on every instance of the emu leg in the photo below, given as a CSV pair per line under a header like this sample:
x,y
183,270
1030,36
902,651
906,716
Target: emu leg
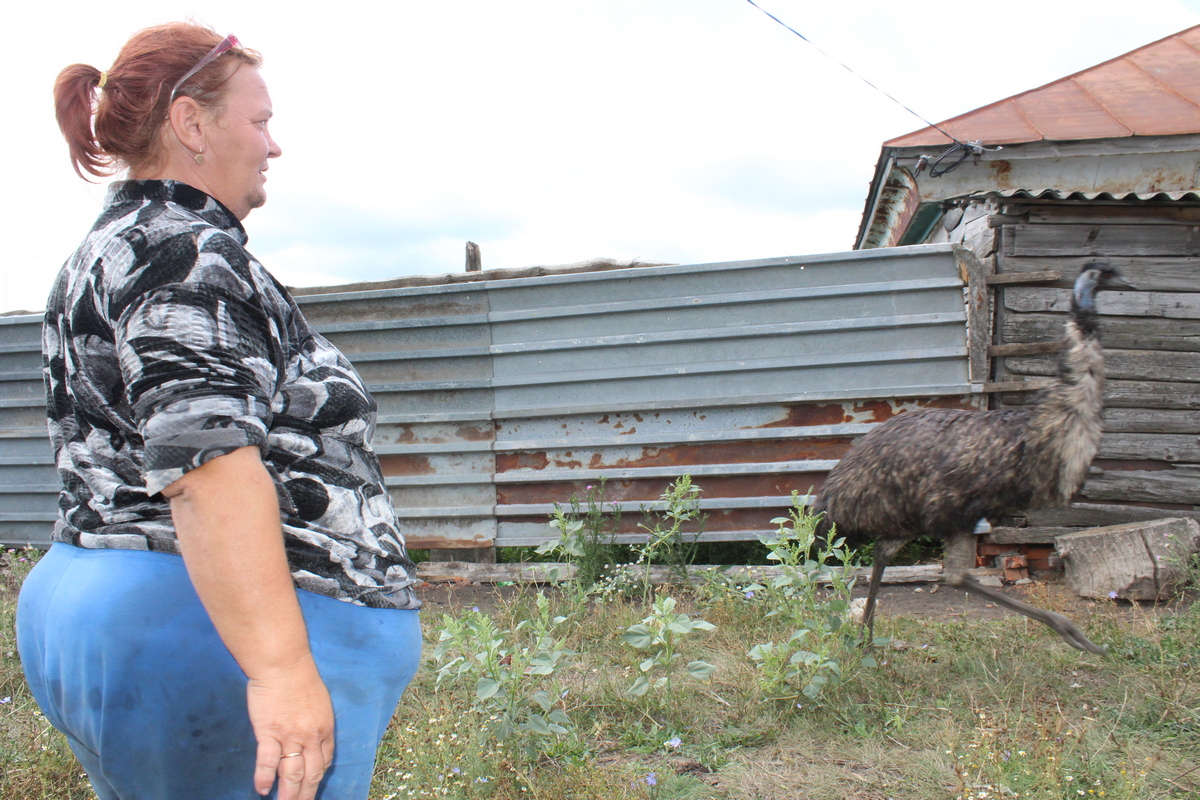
x,y
956,575
885,551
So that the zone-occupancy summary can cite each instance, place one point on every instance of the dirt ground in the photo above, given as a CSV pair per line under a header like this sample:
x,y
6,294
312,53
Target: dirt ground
x,y
914,600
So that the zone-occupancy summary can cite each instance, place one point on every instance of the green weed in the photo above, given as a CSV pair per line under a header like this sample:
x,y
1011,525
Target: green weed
x,y
659,635
512,673
820,649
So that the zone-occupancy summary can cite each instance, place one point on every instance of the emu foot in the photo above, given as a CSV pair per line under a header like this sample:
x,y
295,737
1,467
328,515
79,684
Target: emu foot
x,y
1072,635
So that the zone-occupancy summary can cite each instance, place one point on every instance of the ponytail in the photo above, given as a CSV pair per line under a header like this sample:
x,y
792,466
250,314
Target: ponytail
x,y
74,104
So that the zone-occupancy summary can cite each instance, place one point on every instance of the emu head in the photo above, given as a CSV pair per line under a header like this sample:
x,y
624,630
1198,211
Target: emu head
x,y
1096,275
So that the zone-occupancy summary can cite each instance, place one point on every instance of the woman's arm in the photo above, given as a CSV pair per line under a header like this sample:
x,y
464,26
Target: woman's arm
x,y
226,515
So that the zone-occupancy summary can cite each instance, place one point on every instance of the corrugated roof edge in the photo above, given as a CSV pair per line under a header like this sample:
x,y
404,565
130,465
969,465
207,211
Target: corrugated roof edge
x,y
1055,194
595,265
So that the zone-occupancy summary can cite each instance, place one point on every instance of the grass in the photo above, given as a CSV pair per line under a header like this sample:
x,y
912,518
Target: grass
x,y
35,762
961,708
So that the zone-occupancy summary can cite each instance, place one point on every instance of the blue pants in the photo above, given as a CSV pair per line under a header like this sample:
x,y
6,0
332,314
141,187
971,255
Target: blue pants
x,y
123,659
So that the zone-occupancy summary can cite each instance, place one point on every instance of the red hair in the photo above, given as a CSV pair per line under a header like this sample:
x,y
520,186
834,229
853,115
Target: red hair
x,y
133,103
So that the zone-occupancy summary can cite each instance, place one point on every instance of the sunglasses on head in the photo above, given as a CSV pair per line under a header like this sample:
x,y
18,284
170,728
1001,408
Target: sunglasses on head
x,y
226,44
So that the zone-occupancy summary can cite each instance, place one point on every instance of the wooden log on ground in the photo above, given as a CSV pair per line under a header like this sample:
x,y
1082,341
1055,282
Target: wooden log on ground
x,y
1137,561
552,572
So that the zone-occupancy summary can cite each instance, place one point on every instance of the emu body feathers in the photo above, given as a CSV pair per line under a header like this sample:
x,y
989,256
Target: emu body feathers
x,y
936,472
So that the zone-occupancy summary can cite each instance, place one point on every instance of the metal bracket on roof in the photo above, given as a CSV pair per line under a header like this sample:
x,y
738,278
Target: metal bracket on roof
x,y
965,150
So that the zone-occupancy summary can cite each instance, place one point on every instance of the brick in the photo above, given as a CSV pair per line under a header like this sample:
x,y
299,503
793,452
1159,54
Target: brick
x,y
985,561
1014,575
1041,564
1038,552
1013,562
994,549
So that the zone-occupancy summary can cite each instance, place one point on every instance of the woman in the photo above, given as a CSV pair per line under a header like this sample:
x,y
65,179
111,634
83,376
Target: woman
x,y
194,413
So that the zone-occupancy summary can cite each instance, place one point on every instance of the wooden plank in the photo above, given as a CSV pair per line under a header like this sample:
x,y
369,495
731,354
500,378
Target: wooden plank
x,y
1009,218
1132,365
1101,239
978,236
1024,348
1018,278
1027,535
1151,420
1093,515
979,312
1120,333
1096,213
1147,273
1034,385
1174,486
471,572
1166,305
1151,394
1169,447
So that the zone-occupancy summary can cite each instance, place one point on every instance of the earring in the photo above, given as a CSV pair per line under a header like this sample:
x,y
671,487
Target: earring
x,y
199,159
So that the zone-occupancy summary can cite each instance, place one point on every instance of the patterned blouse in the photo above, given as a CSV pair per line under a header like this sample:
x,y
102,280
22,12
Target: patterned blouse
x,y
166,344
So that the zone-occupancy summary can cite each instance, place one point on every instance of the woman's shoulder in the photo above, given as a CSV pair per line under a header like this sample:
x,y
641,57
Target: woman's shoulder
x,y
157,234
149,213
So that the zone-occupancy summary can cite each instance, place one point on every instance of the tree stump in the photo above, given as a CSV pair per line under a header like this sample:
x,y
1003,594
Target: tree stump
x,y
1135,561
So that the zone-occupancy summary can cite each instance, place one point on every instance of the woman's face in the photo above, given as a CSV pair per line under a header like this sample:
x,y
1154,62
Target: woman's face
x,y
238,144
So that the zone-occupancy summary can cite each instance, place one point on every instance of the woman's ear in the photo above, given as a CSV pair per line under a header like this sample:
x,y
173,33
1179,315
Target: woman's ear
x,y
186,119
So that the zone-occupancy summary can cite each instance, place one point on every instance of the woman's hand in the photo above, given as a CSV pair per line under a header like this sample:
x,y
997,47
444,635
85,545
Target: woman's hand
x,y
226,515
291,714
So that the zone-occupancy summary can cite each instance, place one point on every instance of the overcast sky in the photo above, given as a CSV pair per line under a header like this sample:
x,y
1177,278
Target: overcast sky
x,y
553,131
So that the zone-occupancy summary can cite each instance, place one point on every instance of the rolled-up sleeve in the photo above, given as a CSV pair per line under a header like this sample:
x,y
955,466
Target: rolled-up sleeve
x,y
199,363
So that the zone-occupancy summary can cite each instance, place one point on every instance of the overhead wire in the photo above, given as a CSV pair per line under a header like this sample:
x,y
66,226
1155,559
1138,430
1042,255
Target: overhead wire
x,y
966,148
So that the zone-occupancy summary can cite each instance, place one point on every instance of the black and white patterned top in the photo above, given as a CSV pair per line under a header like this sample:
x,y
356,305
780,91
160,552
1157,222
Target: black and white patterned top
x,y
166,344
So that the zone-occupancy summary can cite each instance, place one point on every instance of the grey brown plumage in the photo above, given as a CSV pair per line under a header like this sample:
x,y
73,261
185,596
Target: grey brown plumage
x,y
937,472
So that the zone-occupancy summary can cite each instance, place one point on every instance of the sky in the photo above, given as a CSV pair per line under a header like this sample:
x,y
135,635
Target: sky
x,y
552,131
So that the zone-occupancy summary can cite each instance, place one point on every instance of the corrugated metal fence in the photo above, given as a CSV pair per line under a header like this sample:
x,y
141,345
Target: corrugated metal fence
x,y
499,397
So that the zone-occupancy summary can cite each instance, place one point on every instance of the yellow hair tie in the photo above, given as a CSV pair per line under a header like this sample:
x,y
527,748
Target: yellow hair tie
x,y
103,80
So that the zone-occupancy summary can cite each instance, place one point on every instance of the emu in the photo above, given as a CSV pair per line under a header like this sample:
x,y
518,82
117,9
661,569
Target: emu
x,y
937,472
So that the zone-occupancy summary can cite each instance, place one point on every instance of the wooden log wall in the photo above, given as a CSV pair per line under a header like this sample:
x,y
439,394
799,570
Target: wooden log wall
x,y
1149,460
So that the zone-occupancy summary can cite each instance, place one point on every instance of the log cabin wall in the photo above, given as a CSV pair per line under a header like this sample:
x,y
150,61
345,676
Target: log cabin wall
x,y
1148,465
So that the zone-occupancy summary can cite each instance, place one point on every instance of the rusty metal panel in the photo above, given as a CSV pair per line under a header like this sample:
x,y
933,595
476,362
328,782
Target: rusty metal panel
x,y
498,398
424,352
752,377
748,459
28,480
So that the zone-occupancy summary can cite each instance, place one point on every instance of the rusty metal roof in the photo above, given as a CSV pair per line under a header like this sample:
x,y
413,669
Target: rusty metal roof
x,y
1151,91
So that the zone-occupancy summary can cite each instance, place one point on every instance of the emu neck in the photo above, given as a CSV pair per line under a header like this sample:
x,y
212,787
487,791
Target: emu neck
x,y
1064,427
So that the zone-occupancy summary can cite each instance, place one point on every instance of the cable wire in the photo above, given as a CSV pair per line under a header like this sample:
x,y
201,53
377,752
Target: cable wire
x,y
867,82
